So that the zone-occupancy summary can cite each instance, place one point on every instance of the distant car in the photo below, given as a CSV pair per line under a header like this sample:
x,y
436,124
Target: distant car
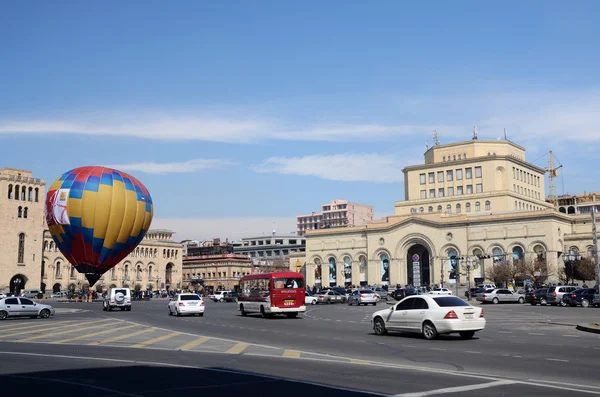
x,y
430,315
24,307
309,299
219,296
117,298
32,293
230,296
341,291
402,293
580,297
500,295
363,297
537,296
555,294
186,304
474,291
2,296
59,295
330,296
382,293
440,291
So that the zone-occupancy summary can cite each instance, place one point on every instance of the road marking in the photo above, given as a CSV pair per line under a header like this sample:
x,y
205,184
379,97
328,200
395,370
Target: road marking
x,y
193,343
535,333
238,348
457,389
472,352
563,383
436,348
557,359
46,328
504,332
156,340
16,326
116,338
86,336
70,331
291,353
571,336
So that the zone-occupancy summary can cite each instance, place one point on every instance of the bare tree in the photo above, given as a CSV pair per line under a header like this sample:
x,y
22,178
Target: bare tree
x,y
499,272
585,270
536,270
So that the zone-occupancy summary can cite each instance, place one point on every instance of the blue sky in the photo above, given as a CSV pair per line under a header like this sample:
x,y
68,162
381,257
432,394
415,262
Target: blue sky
x,y
238,114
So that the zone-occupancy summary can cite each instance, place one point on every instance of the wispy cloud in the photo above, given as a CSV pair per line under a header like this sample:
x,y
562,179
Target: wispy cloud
x,y
172,168
340,167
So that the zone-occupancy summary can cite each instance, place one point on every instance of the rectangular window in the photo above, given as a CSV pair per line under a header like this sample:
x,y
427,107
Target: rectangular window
x,y
469,189
423,194
431,193
513,172
440,176
432,177
459,191
479,188
422,178
441,192
469,173
449,176
459,175
451,191
477,172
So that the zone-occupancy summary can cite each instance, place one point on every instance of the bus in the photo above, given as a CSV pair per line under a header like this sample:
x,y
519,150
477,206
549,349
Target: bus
x,y
272,293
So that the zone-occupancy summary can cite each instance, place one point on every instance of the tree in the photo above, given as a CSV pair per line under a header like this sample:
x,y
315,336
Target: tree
x,y
499,272
585,270
536,270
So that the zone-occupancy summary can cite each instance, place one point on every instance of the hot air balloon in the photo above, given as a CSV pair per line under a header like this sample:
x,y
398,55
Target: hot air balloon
x,y
97,216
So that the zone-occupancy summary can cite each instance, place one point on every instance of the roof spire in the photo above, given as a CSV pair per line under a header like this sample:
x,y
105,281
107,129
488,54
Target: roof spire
x,y
436,141
474,132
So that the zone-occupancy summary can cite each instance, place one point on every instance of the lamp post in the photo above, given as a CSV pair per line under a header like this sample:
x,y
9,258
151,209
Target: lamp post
x,y
570,260
467,265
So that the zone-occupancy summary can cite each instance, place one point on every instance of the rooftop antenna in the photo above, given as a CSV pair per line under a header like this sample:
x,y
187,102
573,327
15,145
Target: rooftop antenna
x,y
427,144
505,138
273,228
474,132
436,141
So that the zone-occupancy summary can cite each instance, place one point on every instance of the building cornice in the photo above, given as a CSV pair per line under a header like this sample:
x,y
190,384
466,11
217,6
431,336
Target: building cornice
x,y
473,142
473,160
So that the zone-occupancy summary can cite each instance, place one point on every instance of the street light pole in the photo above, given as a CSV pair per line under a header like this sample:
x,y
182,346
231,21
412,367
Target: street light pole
x,y
595,242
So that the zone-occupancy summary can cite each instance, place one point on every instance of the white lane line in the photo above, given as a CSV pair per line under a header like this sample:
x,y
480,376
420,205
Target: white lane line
x,y
535,333
437,348
504,332
472,352
457,389
517,356
563,383
571,336
557,359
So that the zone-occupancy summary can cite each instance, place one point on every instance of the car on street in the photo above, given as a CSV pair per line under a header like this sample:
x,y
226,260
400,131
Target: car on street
x,y
117,298
59,295
230,296
363,297
537,296
24,307
555,294
474,291
440,291
330,296
382,293
186,304
309,298
580,297
500,295
430,315
402,293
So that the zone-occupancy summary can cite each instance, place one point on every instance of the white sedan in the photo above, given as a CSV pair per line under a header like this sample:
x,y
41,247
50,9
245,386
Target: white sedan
x,y
431,316
309,299
440,291
186,304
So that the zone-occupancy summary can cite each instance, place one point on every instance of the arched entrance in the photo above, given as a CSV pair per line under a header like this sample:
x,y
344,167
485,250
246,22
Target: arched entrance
x,y
56,288
168,275
418,269
17,284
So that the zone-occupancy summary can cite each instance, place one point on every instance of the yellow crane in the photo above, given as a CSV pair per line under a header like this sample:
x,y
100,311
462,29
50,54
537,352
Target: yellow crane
x,y
552,175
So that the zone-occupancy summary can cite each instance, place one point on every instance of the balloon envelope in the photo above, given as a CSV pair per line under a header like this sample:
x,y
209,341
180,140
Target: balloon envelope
x,y
97,216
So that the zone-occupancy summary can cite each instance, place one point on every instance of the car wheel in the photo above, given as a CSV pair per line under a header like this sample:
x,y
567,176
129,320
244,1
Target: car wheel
x,y
314,302
543,302
521,300
3,314
170,312
201,314
45,313
429,331
242,311
221,300
291,315
178,313
466,334
128,308
374,304
563,304
379,326
533,303
104,307
585,303
495,301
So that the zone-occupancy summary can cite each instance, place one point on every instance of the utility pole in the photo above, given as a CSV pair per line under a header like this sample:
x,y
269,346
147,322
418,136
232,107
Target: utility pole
x,y
595,242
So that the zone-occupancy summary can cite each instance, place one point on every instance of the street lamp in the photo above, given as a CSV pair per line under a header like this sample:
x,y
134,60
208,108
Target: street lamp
x,y
570,260
467,264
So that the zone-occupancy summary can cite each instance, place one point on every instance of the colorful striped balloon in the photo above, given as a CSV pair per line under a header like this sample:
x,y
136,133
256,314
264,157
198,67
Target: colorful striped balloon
x,y
97,216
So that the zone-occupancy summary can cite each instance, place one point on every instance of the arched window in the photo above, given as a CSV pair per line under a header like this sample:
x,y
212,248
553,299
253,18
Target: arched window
x,y
449,208
138,273
421,210
20,214
17,192
112,273
464,156
176,253
37,192
57,270
497,254
444,158
477,252
590,252
458,209
126,271
452,263
155,252
30,194
517,253
439,208
164,253
468,207
25,211
413,210
454,157
45,246
168,253
23,193
477,206
488,205
430,209
10,192
459,156
21,257
149,272
72,275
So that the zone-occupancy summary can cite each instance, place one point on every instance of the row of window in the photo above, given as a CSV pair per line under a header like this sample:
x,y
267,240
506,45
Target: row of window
x,y
468,174
421,210
450,190
526,206
23,193
526,177
527,192
210,275
453,157
23,212
138,252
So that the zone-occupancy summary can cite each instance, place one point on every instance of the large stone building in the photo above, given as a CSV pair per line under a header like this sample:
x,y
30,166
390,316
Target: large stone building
x,y
29,258
337,213
475,199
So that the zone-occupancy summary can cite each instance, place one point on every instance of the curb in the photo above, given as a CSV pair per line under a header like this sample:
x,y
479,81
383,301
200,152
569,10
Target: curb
x,y
588,328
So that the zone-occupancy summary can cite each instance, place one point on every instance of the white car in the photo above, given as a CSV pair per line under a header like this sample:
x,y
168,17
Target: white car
x,y
309,299
440,291
23,307
219,296
431,316
186,304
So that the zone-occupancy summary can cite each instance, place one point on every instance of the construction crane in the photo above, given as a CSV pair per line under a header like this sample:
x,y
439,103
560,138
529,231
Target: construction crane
x,y
552,175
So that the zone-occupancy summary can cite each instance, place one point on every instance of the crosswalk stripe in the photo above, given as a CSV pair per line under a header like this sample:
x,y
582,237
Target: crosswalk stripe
x,y
238,348
37,329
291,353
71,331
86,336
14,327
192,344
157,339
120,337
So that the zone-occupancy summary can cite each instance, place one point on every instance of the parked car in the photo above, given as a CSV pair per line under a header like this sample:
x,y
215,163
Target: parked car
x,y
186,304
230,296
596,300
363,297
555,294
430,315
582,296
440,291
23,307
32,293
341,291
59,295
537,296
309,298
219,296
330,296
402,293
382,293
487,286
474,291
500,295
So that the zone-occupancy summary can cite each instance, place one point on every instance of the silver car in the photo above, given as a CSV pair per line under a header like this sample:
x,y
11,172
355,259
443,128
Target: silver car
x,y
23,307
330,296
363,297
500,295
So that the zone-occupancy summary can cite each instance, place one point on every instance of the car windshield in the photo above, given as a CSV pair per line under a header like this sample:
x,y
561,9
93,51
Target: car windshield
x,y
364,291
189,297
446,301
323,291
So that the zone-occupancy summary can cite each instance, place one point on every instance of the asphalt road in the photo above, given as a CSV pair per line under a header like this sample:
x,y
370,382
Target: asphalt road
x,y
330,350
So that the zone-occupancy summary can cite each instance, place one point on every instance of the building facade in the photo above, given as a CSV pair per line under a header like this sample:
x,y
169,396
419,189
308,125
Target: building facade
x,y
470,202
274,247
338,213
213,272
